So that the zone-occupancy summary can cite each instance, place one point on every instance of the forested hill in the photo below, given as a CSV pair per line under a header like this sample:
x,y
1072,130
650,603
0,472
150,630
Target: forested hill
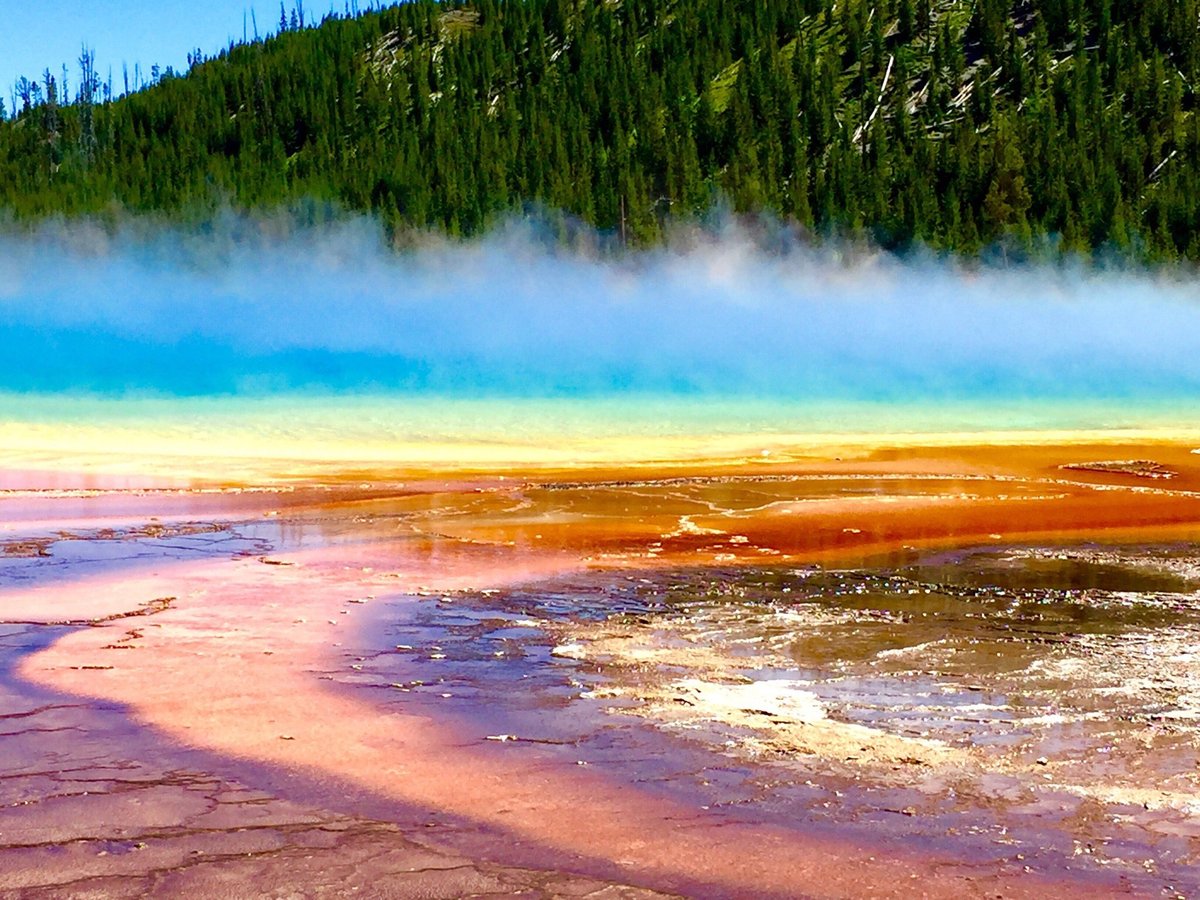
x,y
1061,124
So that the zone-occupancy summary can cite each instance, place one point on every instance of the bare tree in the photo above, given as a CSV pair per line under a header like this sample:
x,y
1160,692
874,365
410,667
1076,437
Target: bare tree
x,y
50,108
88,85
24,90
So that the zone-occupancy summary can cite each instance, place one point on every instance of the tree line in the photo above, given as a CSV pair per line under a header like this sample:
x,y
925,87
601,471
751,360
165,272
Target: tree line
x,y
1021,126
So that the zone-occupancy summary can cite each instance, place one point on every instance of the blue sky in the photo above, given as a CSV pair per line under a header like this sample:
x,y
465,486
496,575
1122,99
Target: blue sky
x,y
47,33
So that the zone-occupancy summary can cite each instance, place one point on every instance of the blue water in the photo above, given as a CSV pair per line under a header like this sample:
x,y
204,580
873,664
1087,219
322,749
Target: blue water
x,y
332,314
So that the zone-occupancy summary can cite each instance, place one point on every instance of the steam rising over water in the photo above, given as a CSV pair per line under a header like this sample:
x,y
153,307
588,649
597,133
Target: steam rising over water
x,y
331,309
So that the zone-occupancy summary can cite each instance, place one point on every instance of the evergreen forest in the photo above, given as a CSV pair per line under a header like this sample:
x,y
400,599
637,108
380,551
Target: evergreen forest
x,y
1036,127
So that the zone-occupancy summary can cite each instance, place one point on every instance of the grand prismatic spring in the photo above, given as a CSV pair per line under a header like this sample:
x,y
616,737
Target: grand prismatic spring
x,y
488,569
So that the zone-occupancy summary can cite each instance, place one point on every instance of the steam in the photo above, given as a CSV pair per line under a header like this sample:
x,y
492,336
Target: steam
x,y
250,310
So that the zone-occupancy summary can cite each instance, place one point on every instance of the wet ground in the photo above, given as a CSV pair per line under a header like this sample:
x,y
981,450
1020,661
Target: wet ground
x,y
94,803
486,687
1036,704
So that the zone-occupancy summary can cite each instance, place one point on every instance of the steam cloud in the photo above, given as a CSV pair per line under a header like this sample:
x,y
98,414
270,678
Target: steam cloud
x,y
238,310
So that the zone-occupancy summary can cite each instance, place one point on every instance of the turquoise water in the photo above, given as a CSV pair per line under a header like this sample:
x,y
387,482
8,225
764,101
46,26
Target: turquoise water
x,y
718,335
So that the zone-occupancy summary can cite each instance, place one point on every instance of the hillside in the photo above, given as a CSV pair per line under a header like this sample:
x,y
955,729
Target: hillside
x,y
1034,126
